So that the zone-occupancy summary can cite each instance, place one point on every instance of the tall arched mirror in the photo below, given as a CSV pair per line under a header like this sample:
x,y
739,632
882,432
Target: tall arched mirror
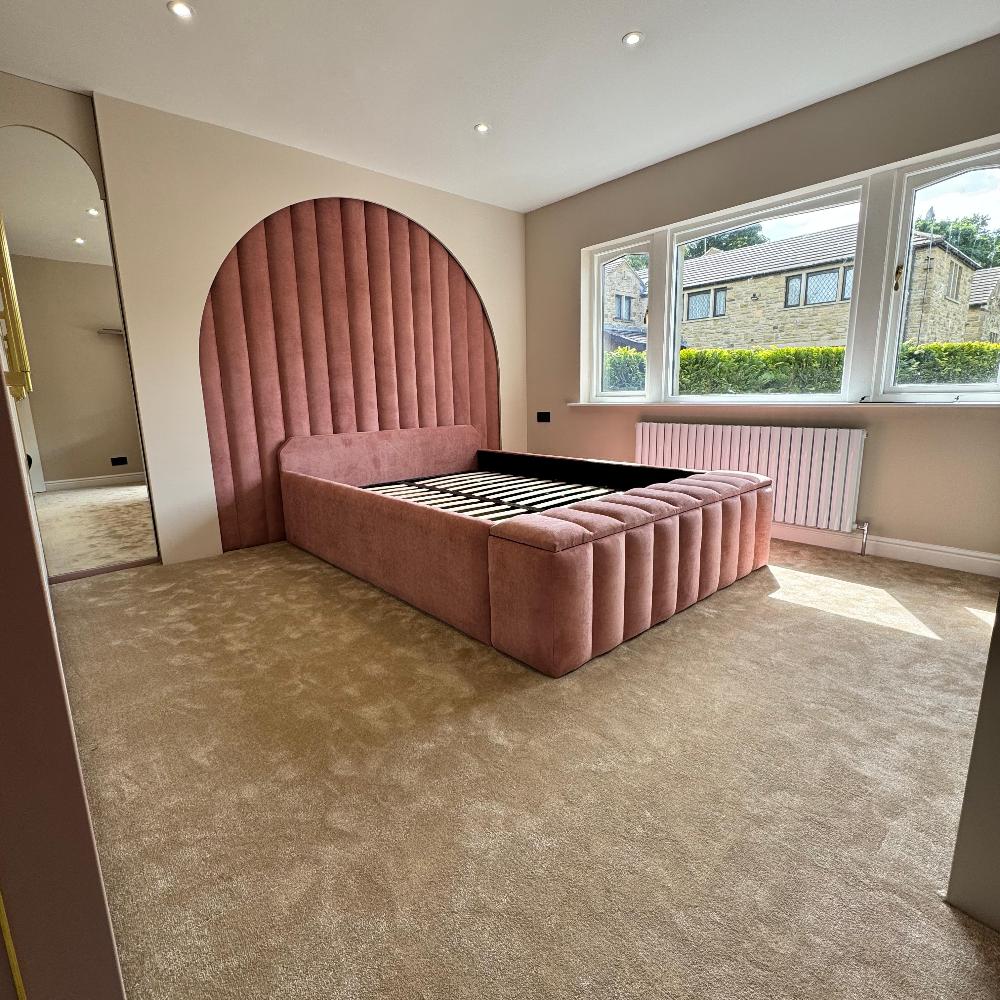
x,y
66,360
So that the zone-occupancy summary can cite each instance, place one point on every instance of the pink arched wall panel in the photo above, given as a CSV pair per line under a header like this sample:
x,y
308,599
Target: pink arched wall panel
x,y
334,315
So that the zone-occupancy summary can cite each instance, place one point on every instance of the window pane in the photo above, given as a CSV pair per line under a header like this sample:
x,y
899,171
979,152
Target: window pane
x,y
757,344
624,298
821,286
698,305
720,302
950,316
848,283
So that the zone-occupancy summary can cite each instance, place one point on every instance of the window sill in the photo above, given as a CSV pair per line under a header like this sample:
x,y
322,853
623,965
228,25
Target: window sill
x,y
820,403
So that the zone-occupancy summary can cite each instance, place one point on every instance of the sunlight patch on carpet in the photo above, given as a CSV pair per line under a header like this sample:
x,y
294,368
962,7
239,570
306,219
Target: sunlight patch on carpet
x,y
846,599
989,617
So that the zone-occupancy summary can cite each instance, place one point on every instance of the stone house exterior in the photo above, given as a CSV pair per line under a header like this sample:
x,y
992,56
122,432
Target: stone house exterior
x,y
982,322
784,293
626,301
797,292
937,305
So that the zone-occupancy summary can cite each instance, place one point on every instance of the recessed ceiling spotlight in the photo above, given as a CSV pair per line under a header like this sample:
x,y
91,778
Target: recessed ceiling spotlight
x,y
79,241
181,9
632,39
93,213
481,127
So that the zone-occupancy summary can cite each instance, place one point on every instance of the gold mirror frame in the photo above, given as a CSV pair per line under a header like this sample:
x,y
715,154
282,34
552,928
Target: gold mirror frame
x,y
18,374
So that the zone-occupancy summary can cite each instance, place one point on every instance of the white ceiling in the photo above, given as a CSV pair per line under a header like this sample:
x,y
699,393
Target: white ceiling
x,y
45,191
397,86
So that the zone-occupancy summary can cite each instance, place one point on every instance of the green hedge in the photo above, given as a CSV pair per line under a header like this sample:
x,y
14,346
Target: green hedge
x,y
950,364
767,370
800,369
624,370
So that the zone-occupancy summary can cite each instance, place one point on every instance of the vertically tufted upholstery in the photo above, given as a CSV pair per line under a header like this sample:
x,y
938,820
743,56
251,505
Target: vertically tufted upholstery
x,y
334,315
574,582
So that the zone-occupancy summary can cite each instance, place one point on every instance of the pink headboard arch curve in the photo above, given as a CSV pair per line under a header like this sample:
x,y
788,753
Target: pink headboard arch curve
x,y
334,315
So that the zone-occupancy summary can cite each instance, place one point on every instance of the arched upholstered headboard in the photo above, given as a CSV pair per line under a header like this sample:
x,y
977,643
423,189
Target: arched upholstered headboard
x,y
334,315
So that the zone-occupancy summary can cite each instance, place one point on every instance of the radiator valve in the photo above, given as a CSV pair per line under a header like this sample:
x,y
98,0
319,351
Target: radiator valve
x,y
862,526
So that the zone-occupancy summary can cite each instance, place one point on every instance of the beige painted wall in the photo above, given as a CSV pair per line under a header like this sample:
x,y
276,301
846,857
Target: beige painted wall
x,y
930,474
181,193
82,405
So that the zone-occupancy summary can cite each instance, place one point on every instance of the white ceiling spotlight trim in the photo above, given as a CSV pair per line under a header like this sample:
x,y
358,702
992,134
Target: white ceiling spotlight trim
x,y
180,9
481,127
79,241
93,213
632,39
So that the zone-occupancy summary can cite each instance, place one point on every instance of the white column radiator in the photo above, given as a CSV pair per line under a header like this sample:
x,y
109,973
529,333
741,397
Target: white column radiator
x,y
816,470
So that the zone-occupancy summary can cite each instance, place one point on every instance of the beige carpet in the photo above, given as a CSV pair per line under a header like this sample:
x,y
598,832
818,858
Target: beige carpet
x,y
305,789
100,526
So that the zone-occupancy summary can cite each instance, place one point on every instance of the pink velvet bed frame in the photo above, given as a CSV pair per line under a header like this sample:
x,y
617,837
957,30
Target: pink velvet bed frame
x,y
342,345
553,589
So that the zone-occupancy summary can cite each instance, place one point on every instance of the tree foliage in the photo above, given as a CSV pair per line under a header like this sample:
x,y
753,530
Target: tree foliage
x,y
971,234
745,236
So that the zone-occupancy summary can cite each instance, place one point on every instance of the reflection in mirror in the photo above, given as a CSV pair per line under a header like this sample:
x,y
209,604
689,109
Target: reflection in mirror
x,y
78,423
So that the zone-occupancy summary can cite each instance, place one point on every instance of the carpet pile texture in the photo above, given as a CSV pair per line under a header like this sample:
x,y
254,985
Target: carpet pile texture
x,y
303,788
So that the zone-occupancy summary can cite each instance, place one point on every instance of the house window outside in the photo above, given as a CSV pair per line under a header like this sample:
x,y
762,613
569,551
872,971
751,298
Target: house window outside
x,y
623,307
699,305
954,280
719,306
821,287
793,291
848,285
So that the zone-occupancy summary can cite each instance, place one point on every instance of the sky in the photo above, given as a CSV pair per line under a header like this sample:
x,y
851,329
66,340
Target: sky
x,y
811,222
975,192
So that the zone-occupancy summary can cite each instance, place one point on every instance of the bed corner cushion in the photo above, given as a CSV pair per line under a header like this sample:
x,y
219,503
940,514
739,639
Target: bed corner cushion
x,y
572,583
438,565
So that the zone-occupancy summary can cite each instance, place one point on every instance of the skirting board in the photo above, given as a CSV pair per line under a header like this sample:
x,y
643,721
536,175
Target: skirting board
x,y
123,479
966,560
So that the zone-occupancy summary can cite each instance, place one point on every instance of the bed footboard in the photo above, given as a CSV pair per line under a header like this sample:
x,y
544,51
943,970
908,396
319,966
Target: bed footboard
x,y
572,583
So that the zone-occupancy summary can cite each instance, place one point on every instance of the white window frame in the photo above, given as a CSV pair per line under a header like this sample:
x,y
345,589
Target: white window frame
x,y
873,327
592,309
837,195
908,180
